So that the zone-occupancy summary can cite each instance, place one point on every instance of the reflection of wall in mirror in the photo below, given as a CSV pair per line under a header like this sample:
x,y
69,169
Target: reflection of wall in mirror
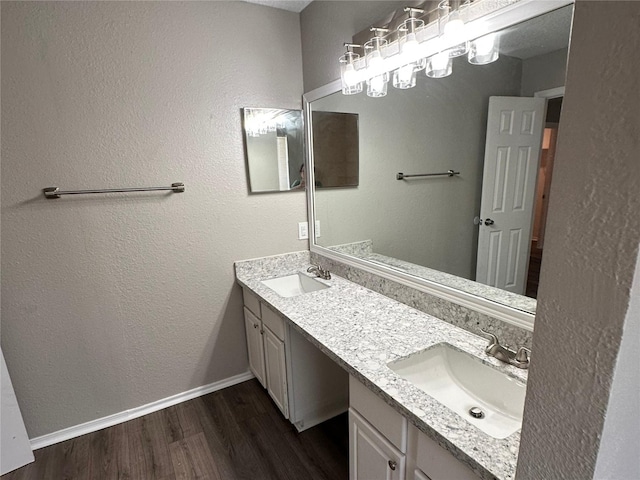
x,y
262,156
335,149
436,126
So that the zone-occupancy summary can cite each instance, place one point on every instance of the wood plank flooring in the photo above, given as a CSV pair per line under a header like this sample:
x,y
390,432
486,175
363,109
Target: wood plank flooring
x,y
235,433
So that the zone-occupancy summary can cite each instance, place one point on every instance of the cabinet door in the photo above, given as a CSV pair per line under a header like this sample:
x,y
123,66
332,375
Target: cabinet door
x,y
276,370
372,456
255,347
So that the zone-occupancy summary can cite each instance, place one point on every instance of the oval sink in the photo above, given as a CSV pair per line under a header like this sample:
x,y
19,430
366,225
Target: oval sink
x,y
479,393
294,285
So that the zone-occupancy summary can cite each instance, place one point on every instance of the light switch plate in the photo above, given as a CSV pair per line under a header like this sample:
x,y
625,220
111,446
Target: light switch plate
x,y
303,230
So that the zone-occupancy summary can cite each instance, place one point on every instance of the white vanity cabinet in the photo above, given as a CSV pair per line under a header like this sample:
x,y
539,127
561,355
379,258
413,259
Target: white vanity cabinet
x,y
305,384
384,446
428,460
275,360
266,349
377,437
255,345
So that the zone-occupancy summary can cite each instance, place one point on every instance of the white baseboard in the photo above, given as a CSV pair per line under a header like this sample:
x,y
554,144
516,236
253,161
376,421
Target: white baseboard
x,y
116,418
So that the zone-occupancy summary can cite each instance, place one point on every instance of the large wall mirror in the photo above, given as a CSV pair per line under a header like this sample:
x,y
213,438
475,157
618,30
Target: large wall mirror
x,y
476,236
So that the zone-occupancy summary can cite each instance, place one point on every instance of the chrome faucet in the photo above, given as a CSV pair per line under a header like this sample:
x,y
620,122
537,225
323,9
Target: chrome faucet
x,y
320,272
518,358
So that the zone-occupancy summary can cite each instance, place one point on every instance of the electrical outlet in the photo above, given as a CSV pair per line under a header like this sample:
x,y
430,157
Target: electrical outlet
x,y
303,230
317,232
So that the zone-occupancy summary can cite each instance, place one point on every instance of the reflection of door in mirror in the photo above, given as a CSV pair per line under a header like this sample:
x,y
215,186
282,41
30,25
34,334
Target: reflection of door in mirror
x,y
514,138
335,149
515,191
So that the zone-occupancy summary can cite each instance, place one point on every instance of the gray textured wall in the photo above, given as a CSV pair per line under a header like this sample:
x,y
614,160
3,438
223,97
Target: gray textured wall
x,y
591,250
111,302
544,72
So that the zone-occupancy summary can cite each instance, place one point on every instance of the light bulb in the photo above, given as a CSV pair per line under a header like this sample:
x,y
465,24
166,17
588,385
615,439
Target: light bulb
x,y
439,65
350,75
376,63
484,50
410,45
440,60
405,77
484,45
454,27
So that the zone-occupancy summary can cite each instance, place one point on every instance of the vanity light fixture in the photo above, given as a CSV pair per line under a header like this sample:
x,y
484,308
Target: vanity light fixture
x,y
351,82
405,76
377,74
415,46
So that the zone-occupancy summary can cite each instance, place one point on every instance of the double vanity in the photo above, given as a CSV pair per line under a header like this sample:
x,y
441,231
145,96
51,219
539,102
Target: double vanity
x,y
425,400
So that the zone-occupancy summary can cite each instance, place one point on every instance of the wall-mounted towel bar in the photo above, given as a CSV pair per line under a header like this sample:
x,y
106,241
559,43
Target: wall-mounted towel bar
x,y
449,173
55,192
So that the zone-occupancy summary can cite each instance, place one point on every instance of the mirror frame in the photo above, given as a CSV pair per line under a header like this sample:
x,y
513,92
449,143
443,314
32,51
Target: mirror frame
x,y
498,20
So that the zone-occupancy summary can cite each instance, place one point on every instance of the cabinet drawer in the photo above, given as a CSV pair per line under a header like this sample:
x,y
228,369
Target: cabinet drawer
x,y
273,321
383,417
251,302
436,462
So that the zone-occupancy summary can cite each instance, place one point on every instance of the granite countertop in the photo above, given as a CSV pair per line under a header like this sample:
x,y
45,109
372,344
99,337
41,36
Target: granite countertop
x,y
362,331
364,250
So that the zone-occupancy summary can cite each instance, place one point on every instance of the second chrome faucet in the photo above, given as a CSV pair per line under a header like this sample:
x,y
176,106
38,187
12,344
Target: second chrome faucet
x,y
320,272
519,358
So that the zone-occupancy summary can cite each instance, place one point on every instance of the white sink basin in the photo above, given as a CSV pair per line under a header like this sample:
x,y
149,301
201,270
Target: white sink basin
x,y
461,382
294,285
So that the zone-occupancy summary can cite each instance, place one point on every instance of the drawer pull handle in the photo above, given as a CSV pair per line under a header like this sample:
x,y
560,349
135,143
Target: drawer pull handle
x,y
392,465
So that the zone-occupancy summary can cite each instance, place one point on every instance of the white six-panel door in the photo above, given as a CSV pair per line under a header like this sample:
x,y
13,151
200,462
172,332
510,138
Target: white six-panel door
x,y
512,155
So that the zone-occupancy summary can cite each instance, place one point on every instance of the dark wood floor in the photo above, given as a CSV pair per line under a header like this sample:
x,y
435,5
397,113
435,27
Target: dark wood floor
x,y
236,433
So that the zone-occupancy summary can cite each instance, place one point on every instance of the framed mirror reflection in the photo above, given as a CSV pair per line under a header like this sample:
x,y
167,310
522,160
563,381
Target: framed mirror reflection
x,y
480,232
274,148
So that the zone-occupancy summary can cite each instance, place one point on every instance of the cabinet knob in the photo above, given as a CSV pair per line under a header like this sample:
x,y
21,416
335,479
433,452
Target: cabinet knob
x,y
255,325
392,464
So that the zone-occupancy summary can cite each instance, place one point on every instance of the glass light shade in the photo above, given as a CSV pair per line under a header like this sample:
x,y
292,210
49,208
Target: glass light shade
x,y
376,68
405,77
484,50
408,41
377,86
350,77
375,62
452,28
439,65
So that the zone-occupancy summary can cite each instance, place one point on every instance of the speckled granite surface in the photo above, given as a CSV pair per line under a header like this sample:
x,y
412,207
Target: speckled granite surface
x,y
453,313
363,331
364,250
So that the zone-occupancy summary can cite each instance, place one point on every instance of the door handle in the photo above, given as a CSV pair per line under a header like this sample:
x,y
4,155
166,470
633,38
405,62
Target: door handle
x,y
488,222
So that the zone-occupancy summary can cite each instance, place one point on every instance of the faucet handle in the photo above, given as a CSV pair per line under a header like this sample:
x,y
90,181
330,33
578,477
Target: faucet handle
x,y
493,340
523,355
